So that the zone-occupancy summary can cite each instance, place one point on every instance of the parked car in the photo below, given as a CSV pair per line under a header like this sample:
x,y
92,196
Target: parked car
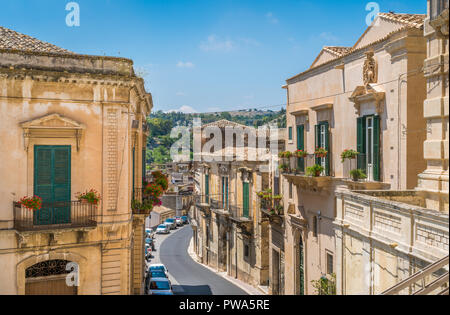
x,y
185,219
179,221
158,267
163,229
157,274
171,223
159,286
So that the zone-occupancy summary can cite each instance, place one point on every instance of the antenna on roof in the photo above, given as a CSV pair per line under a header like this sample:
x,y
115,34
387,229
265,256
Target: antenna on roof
x,y
392,12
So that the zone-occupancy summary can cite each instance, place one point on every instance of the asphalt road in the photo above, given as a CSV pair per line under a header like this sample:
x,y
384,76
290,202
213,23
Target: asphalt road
x,y
187,276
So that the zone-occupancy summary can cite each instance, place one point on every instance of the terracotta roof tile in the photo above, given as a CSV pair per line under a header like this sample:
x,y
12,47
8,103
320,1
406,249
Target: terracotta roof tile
x,y
414,20
13,40
338,50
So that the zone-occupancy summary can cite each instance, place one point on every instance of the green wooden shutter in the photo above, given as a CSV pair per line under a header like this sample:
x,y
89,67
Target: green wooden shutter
x,y
61,184
226,188
376,148
326,145
317,141
246,200
361,143
301,146
290,133
52,182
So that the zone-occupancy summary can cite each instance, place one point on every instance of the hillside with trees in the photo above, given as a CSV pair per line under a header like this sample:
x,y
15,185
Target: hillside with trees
x,y
161,123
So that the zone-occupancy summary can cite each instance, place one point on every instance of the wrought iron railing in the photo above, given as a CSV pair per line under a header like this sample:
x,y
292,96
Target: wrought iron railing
x,y
241,213
297,165
55,215
215,201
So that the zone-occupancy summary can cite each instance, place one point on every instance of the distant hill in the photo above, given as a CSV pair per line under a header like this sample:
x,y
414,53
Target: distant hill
x,y
161,124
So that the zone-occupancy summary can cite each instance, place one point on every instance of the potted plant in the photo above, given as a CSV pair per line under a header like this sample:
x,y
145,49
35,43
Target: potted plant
x,y
92,197
31,203
321,153
349,154
301,153
357,174
315,170
284,167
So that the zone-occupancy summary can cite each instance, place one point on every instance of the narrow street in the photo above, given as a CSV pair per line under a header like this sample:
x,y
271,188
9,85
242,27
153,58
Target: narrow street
x,y
186,275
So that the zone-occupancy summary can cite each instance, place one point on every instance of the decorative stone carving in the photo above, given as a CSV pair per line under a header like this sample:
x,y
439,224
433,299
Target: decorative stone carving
x,y
367,94
370,69
441,25
54,125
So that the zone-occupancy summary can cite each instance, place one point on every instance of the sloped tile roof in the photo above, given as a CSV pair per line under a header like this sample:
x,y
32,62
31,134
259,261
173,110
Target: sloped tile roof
x,y
13,40
413,20
336,50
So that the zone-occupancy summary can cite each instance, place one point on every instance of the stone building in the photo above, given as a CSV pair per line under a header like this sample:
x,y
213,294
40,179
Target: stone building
x,y
368,98
70,123
231,233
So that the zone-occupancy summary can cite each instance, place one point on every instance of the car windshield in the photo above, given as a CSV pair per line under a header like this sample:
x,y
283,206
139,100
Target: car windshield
x,y
169,220
158,274
161,227
157,268
159,285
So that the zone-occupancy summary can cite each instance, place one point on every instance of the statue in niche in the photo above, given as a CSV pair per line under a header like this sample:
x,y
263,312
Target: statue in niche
x,y
370,70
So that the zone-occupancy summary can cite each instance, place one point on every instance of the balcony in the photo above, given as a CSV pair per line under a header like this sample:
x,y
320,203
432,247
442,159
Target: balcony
x,y
55,216
138,203
238,214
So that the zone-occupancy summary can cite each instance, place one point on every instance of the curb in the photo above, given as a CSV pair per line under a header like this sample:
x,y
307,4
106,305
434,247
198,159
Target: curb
x,y
234,281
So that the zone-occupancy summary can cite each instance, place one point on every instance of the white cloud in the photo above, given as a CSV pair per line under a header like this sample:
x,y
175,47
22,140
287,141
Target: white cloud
x,y
183,109
213,43
187,64
272,19
180,94
328,37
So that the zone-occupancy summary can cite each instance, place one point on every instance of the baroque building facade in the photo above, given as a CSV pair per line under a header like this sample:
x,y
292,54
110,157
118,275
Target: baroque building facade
x,y
367,98
70,123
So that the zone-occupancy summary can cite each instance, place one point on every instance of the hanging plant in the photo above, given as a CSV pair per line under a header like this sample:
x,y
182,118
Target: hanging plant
x,y
321,153
92,197
31,203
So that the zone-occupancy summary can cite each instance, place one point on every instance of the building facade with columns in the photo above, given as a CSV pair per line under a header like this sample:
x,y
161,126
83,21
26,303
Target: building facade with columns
x,y
69,123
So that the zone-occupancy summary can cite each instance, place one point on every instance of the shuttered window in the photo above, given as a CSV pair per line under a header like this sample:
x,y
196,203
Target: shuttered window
x,y
361,145
301,146
290,133
52,182
322,131
207,188
246,201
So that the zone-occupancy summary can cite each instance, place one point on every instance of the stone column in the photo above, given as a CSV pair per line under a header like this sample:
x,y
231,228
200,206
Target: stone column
x,y
433,182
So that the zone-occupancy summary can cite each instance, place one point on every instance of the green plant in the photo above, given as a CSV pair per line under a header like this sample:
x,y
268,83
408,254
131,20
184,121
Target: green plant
x,y
301,153
31,203
284,167
325,285
349,154
144,206
357,174
315,170
91,196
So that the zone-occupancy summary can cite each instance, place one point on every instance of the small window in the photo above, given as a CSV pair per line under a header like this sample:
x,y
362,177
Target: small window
x,y
246,251
290,133
330,269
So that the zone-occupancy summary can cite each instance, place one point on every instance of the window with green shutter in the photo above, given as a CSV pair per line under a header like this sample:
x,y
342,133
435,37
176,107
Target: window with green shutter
x,y
144,165
246,200
225,192
290,133
322,131
207,188
52,182
301,146
368,145
133,166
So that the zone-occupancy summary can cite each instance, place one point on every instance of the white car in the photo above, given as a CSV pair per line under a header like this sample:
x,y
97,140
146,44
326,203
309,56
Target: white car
x,y
179,221
163,229
157,267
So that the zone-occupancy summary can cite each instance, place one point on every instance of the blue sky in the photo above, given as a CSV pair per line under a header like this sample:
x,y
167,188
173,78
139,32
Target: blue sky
x,y
208,55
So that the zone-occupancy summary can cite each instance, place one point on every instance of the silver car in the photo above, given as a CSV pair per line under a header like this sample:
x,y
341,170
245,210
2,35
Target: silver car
x,y
163,229
159,286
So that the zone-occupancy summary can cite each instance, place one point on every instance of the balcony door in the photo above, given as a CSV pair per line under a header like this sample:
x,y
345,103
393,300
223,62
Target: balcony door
x,y
368,145
323,141
301,146
246,200
52,183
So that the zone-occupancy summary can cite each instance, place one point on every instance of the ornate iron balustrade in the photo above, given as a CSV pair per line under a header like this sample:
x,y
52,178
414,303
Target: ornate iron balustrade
x,y
55,215
297,165
237,212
